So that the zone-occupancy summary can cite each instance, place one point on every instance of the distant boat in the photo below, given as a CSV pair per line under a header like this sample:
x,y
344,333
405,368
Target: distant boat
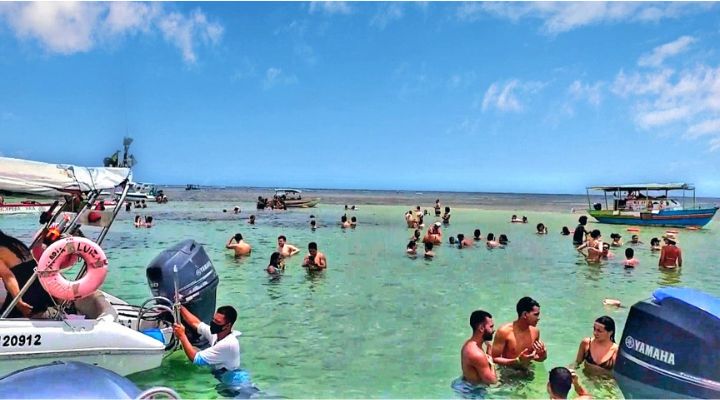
x,y
290,198
635,205
23,207
192,187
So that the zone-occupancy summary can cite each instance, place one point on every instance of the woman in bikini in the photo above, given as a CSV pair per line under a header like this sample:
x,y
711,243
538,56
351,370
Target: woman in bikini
x,y
599,352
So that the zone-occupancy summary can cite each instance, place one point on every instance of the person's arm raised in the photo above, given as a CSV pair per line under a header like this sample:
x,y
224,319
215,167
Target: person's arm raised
x,y
190,318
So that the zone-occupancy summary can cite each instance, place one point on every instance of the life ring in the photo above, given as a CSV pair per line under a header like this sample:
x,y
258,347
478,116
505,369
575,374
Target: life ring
x,y
54,257
38,250
633,229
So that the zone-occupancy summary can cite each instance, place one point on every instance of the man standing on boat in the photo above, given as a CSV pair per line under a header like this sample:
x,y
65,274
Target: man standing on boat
x,y
670,254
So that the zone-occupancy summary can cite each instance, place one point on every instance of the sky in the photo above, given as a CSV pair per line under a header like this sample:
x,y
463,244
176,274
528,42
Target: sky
x,y
493,97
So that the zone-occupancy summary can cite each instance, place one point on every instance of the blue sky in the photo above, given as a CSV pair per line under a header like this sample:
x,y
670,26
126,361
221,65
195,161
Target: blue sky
x,y
510,97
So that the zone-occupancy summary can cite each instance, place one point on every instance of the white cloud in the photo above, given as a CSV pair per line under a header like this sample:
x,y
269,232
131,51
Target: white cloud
x,y
330,7
276,77
655,118
715,144
585,91
660,53
387,13
75,27
707,127
505,97
558,17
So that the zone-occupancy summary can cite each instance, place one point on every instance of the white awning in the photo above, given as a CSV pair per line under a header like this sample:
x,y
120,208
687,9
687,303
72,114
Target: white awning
x,y
53,180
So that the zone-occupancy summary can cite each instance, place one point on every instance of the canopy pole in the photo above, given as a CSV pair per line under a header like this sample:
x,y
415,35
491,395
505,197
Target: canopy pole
x,y
606,203
587,192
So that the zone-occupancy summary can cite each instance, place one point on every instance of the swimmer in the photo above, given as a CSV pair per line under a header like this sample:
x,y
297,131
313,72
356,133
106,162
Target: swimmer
x,y
514,218
606,253
353,222
149,221
503,240
437,207
524,220
140,223
276,265
599,352
517,344
580,234
670,254
462,242
252,219
236,210
630,260
491,242
285,249
315,260
655,244
313,224
446,216
594,245
411,248
616,240
565,231
635,239
477,365
452,240
541,229
612,303
560,380
416,235
429,254
477,236
434,234
344,222
240,247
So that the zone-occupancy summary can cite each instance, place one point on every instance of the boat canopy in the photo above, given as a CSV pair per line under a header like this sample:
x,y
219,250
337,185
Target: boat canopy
x,y
53,180
644,186
287,191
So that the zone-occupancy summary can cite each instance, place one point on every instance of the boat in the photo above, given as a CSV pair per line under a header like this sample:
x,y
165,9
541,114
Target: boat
x,y
650,205
23,207
292,198
668,348
138,191
74,380
100,328
192,187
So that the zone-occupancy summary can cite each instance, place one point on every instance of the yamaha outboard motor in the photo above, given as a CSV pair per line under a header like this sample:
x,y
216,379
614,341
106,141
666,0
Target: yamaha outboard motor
x,y
669,348
196,279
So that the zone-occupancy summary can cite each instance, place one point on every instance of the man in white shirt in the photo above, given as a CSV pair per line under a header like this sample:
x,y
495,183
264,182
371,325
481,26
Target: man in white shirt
x,y
223,355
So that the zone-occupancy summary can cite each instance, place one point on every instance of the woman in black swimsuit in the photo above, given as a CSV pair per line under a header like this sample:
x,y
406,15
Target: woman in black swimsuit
x,y
599,352
16,267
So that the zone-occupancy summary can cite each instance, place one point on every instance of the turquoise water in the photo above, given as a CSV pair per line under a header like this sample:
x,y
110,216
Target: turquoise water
x,y
377,323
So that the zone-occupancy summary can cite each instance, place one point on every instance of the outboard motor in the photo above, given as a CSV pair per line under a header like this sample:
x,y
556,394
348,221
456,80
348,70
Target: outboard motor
x,y
196,279
669,347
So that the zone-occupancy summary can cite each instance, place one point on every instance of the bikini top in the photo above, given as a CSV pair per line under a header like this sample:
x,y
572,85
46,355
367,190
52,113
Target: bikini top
x,y
608,364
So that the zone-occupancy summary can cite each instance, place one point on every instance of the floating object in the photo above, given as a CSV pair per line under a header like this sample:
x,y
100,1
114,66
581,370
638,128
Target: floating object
x,y
58,254
693,228
633,229
673,231
669,346
73,380
612,302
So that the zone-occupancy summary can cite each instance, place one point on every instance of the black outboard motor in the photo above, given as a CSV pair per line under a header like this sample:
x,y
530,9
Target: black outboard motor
x,y
669,347
196,279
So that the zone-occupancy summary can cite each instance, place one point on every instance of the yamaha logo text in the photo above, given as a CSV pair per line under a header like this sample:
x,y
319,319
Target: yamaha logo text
x,y
645,349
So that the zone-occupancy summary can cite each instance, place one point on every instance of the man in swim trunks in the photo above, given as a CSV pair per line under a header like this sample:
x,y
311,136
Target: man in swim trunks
x,y
477,365
580,232
315,260
517,344
670,254
285,249
240,247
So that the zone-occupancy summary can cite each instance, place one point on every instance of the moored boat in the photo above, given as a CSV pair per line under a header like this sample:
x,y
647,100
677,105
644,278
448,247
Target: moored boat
x,y
650,204
292,198
23,207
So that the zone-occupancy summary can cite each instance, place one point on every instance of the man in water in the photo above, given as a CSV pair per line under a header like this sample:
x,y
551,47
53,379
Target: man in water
x,y
223,355
252,219
477,366
462,242
285,249
580,232
670,254
434,234
240,247
560,381
517,344
315,260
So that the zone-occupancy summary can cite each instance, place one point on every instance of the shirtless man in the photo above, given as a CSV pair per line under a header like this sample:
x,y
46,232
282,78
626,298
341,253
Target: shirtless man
x,y
670,254
434,234
344,222
517,344
477,366
464,243
315,260
560,381
286,250
241,248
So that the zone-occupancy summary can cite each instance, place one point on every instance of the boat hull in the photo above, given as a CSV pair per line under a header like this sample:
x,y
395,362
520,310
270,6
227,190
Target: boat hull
x,y
20,208
676,218
309,203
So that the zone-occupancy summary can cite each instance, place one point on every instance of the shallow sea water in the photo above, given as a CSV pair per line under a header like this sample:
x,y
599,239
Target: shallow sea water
x,y
378,324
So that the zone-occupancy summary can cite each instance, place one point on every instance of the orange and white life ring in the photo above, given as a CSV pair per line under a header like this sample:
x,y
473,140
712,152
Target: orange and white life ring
x,y
57,254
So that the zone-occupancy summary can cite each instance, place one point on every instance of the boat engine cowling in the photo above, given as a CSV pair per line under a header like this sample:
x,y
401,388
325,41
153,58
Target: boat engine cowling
x,y
197,280
669,347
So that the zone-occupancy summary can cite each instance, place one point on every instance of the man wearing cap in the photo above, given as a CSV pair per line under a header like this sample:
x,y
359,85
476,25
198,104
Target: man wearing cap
x,y
670,254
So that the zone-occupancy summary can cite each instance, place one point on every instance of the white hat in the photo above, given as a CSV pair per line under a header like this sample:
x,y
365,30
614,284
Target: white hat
x,y
438,223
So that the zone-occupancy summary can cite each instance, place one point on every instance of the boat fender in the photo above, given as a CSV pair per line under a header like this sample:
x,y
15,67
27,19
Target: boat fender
x,y
38,249
57,254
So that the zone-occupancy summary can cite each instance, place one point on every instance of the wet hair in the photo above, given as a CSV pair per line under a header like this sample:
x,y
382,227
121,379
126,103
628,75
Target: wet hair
x,y
353,219
428,246
460,237
476,233
635,237
452,239
252,216
526,304
447,209
417,233
343,218
312,246
411,244
477,318
503,239
629,253
17,247
583,220
595,233
229,313
138,218
654,242
609,325
524,218
560,379
312,223
238,237
514,216
540,226
149,219
275,259
282,237
565,230
490,237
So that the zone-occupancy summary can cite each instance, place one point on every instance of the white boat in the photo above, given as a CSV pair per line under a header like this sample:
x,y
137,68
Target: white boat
x,y
23,207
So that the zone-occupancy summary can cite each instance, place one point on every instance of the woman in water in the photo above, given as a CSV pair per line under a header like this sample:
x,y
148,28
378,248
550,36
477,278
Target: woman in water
x,y
600,351
276,264
16,267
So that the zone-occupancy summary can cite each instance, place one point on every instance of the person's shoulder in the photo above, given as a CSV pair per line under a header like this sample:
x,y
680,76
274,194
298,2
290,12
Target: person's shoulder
x,y
505,329
586,341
